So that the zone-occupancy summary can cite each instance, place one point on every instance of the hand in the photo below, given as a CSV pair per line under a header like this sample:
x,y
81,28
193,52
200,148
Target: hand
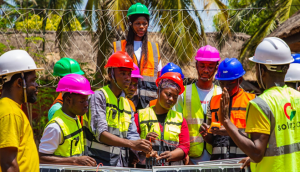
x,y
141,145
203,129
152,136
246,162
154,154
186,160
224,106
133,159
220,131
165,155
85,161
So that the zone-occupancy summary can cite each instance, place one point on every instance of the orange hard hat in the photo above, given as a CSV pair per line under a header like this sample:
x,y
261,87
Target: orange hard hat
x,y
119,59
174,76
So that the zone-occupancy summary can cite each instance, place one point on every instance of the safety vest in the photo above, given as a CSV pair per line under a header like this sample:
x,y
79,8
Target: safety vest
x,y
152,102
193,113
132,105
223,146
118,117
73,141
280,105
147,89
58,99
148,123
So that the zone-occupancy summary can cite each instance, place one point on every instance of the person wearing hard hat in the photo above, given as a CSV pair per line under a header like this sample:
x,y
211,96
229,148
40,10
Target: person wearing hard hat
x,y
273,118
17,146
292,76
144,54
193,103
170,67
62,141
167,129
130,91
230,76
63,67
109,126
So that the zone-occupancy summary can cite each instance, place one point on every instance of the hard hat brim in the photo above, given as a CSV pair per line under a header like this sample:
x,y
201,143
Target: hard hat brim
x,y
136,76
229,79
22,71
79,72
261,62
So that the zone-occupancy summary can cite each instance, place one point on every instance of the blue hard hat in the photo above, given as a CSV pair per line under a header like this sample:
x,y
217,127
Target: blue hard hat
x,y
296,58
171,67
230,69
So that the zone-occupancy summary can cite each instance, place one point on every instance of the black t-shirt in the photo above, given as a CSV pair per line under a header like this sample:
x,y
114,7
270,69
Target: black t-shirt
x,y
161,118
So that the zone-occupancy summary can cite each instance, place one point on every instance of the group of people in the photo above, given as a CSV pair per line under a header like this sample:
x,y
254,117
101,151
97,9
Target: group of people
x,y
147,117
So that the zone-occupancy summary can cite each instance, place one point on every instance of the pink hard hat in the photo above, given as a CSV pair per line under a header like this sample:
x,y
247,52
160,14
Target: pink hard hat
x,y
208,53
136,72
74,83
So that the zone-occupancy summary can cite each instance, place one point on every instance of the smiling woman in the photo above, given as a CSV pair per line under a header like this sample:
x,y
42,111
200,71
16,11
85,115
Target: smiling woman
x,y
144,54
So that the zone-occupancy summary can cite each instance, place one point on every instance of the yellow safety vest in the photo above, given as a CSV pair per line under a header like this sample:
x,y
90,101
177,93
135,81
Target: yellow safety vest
x,y
73,141
118,117
281,106
148,123
193,113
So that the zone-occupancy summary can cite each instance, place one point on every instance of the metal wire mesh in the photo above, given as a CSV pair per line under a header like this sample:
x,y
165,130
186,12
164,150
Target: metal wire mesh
x,y
88,36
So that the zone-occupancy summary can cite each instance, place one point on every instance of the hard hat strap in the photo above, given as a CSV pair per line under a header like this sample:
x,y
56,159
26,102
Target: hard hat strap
x,y
260,77
24,87
113,77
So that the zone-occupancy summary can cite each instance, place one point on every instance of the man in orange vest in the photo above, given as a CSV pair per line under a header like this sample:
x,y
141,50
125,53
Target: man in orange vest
x,y
130,91
229,74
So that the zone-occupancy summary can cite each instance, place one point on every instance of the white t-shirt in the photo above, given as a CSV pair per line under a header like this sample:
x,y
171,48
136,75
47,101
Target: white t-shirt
x,y
204,96
137,47
52,138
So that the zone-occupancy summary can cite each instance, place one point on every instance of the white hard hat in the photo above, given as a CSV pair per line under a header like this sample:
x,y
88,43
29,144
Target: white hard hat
x,y
16,61
293,74
272,51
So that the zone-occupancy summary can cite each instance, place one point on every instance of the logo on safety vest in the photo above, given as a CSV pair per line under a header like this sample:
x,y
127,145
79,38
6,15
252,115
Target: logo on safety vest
x,y
288,111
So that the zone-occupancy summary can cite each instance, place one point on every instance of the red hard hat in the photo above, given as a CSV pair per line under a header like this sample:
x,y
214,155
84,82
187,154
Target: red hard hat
x,y
174,76
120,59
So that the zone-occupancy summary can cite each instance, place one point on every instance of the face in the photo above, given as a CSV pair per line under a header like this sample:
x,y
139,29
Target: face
x,y
132,88
232,86
123,77
206,70
140,26
168,97
77,103
31,87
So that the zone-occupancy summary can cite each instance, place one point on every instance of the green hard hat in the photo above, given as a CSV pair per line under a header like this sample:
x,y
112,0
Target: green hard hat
x,y
138,8
66,66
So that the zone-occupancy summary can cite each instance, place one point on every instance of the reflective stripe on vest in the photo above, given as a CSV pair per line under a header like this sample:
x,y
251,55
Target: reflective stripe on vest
x,y
193,113
147,89
172,128
280,105
118,117
73,141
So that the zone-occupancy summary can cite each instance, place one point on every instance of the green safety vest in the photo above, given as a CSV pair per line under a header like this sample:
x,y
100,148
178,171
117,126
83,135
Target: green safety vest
x,y
73,141
148,123
281,106
193,113
118,117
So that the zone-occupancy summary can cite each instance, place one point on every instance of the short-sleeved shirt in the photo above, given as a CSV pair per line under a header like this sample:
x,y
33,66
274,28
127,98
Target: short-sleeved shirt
x,y
257,122
15,131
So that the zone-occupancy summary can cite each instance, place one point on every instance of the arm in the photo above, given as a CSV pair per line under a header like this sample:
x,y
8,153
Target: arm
x,y
9,163
175,155
254,148
184,139
100,128
81,161
208,137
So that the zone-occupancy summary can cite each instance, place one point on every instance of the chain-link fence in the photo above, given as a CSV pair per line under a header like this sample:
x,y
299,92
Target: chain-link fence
x,y
88,36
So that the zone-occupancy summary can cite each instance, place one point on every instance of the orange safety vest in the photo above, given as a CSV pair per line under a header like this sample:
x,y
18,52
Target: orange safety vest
x,y
132,105
147,89
238,108
152,102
